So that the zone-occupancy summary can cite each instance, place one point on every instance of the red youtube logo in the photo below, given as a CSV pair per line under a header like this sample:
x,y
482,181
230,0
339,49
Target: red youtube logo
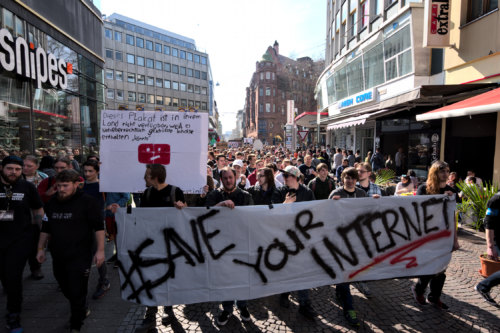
x,y
150,153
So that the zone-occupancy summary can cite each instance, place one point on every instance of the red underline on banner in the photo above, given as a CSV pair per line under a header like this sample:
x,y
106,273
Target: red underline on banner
x,y
412,261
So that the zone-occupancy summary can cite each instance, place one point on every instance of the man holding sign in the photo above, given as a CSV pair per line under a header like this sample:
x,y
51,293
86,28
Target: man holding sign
x,y
158,194
230,196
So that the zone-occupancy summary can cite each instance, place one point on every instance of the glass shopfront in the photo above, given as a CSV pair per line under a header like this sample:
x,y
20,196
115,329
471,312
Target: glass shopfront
x,y
48,119
420,141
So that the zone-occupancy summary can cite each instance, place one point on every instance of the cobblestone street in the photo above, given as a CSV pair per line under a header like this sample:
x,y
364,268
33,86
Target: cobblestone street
x,y
391,308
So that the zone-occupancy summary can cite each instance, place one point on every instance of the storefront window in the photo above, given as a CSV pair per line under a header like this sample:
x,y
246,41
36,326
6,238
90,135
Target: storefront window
x,y
89,127
55,116
15,116
58,119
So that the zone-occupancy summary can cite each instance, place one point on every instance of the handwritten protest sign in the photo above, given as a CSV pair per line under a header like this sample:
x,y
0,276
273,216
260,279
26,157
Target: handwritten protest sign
x,y
170,256
132,139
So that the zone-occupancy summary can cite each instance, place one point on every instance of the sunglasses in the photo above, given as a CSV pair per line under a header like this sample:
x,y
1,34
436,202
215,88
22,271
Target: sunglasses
x,y
286,175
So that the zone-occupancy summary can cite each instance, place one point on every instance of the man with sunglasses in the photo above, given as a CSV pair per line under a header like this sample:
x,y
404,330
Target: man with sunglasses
x,y
295,192
20,207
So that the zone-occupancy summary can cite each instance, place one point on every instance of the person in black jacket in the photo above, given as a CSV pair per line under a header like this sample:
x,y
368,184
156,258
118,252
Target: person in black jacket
x,y
71,219
158,194
20,206
295,192
230,195
265,192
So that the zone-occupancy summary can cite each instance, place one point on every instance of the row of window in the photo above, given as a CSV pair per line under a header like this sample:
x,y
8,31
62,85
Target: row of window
x,y
386,61
263,124
270,108
268,75
133,96
157,64
153,34
158,82
153,46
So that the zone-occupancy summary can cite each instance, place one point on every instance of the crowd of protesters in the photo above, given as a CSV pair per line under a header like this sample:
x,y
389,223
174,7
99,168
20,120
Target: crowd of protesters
x,y
64,188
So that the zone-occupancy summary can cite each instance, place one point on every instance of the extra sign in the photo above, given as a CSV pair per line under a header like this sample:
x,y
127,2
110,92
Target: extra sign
x,y
437,23
17,55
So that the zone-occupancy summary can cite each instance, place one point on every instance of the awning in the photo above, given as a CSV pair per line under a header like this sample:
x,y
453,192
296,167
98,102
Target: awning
x,y
305,119
484,103
352,121
355,121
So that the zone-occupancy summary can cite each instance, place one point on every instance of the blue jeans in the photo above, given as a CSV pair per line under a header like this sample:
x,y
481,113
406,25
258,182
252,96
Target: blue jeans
x,y
228,305
491,281
343,292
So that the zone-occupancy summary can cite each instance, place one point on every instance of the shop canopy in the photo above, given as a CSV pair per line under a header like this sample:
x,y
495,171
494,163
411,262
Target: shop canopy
x,y
308,119
357,120
484,103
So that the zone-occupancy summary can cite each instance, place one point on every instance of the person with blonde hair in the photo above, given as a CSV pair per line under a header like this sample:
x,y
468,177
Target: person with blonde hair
x,y
436,184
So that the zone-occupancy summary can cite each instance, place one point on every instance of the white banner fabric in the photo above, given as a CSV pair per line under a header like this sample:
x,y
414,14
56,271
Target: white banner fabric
x,y
169,256
132,139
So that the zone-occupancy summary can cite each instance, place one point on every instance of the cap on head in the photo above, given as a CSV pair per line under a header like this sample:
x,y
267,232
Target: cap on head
x,y
292,170
12,160
238,163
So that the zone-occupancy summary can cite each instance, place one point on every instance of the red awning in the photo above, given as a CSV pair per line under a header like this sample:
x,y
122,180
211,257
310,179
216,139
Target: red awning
x,y
306,118
483,103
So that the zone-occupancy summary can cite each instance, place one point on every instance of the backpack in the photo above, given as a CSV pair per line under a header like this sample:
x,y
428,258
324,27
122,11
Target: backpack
x,y
172,193
330,184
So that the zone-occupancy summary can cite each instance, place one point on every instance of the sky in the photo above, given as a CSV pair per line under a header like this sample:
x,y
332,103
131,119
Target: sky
x,y
235,34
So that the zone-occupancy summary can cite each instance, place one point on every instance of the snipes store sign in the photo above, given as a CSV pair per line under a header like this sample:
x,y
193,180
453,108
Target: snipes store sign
x,y
17,55
437,23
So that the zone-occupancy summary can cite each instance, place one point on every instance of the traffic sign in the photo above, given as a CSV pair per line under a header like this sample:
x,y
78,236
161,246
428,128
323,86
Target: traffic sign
x,y
302,134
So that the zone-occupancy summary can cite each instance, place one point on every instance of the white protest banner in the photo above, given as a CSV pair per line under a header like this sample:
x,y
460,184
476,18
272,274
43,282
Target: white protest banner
x,y
132,139
170,256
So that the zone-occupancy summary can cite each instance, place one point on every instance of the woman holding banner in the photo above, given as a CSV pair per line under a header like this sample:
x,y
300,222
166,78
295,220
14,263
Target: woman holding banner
x,y
436,184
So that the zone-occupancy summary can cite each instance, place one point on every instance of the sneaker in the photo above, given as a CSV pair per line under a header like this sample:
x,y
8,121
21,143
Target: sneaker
x,y
284,300
101,290
245,315
352,318
37,274
307,311
147,324
486,295
14,323
223,318
87,312
363,288
420,299
438,304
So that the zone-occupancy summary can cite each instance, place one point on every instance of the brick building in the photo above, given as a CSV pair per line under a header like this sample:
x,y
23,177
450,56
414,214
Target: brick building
x,y
277,79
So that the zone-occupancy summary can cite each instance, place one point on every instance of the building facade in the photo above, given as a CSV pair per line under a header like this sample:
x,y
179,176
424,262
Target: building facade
x,y
472,56
379,76
51,76
276,80
148,68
